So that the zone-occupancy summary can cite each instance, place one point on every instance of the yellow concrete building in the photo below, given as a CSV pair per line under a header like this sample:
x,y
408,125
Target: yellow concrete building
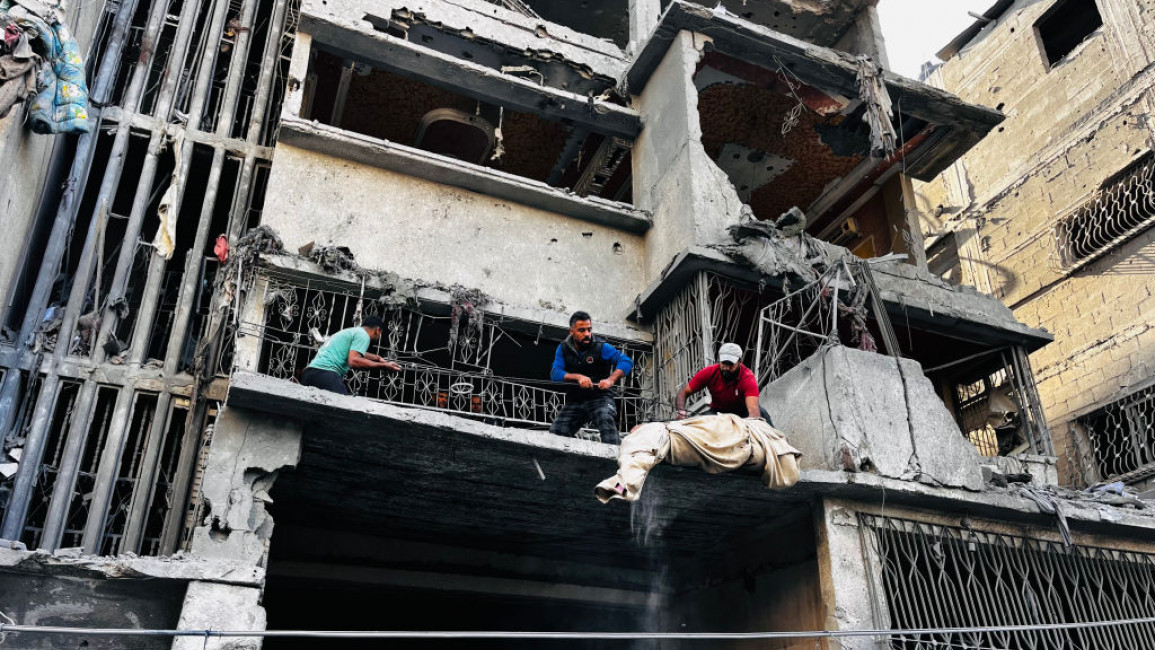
x,y
1052,212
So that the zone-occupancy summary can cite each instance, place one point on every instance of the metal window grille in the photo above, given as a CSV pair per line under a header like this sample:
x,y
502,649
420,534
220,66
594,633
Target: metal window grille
x,y
706,313
934,576
448,361
1120,210
1121,440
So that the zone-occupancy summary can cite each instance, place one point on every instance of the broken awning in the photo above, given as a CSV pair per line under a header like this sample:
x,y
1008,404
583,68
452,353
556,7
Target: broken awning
x,y
953,126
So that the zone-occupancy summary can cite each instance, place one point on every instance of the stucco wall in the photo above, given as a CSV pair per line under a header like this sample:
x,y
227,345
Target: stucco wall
x,y
437,233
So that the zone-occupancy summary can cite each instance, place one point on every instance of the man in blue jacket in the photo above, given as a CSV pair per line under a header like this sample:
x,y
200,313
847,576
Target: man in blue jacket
x,y
595,366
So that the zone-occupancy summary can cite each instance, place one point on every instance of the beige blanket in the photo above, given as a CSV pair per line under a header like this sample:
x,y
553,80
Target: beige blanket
x,y
714,443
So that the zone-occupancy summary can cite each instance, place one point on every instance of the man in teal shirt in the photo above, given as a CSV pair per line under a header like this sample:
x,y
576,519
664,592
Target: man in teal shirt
x,y
346,349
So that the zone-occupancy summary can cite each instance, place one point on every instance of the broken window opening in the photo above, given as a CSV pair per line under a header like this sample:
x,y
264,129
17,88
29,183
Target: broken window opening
x,y
996,404
127,473
62,416
1064,26
13,449
257,193
195,508
188,70
158,63
133,51
161,493
1122,437
387,105
1122,209
607,20
250,78
63,413
495,369
82,489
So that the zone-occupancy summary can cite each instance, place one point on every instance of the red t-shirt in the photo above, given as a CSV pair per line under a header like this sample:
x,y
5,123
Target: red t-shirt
x,y
728,397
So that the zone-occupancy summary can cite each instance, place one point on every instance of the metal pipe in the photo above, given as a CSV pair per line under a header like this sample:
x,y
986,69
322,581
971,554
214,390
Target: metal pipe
x,y
143,491
237,64
29,467
164,103
620,636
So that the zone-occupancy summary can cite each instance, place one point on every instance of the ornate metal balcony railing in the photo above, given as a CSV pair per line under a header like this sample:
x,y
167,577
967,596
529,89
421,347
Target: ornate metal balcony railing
x,y
452,363
936,576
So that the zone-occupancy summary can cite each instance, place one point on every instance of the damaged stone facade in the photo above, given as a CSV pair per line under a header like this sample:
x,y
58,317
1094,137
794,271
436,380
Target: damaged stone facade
x,y
472,172
1051,213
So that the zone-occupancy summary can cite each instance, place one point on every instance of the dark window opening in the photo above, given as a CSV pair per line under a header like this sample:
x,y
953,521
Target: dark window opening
x,y
63,413
1065,25
80,501
1122,436
382,104
160,496
127,475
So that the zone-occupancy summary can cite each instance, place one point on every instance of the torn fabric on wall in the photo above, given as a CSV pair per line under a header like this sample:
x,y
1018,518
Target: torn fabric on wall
x,y
165,240
878,115
713,443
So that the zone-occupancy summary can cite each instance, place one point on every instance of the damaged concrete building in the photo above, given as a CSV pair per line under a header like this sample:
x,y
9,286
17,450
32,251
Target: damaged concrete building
x,y
1052,213
262,174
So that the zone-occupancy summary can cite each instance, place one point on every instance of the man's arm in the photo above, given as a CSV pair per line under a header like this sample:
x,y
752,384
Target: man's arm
x,y
622,365
364,361
680,401
558,373
752,406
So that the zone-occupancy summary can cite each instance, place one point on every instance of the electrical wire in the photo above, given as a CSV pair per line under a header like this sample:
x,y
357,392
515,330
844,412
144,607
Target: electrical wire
x,y
620,636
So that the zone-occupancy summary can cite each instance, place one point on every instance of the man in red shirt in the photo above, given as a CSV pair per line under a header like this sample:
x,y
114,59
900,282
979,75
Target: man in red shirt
x,y
732,386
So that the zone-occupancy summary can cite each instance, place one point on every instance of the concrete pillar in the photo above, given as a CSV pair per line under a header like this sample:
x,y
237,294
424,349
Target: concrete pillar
x,y
214,606
848,573
644,16
247,353
246,452
691,199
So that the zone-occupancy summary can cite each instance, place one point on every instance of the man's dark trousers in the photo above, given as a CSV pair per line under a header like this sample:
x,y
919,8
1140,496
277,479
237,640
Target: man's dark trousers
x,y
599,411
324,379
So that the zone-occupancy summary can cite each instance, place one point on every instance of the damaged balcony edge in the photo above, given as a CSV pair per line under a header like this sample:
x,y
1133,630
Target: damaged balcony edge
x,y
68,562
262,393
899,305
285,399
479,81
557,322
486,20
960,124
391,156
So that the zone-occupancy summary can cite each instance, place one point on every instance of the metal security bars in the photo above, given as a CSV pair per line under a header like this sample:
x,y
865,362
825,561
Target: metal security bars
x,y
1121,439
464,362
706,313
934,576
1121,209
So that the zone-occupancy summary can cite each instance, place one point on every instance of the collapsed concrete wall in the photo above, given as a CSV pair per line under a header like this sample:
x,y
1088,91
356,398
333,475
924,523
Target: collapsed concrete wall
x,y
858,411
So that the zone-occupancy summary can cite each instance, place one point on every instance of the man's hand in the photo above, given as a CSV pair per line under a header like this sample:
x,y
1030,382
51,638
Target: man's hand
x,y
392,365
584,382
682,414
606,383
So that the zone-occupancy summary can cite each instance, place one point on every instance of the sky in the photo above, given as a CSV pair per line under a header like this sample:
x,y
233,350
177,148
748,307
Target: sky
x,y
915,29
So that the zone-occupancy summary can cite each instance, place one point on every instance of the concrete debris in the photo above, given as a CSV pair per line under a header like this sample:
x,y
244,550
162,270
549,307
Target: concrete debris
x,y
879,114
774,253
333,259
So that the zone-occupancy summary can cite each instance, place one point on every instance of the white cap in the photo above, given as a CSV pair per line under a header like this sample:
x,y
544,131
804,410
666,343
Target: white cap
x,y
730,352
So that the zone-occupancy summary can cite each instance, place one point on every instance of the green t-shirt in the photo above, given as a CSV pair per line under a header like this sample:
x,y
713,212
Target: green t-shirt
x,y
334,354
